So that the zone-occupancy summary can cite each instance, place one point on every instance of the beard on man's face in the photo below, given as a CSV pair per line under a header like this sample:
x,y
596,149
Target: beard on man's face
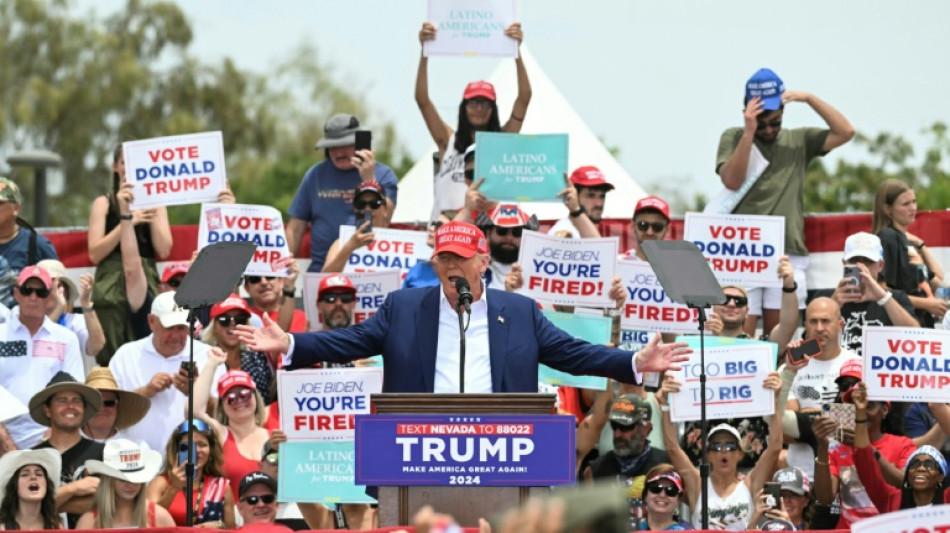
x,y
504,253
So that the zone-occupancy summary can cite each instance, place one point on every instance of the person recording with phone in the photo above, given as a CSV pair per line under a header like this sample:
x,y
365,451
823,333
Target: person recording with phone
x,y
863,300
783,504
371,211
323,200
417,331
212,497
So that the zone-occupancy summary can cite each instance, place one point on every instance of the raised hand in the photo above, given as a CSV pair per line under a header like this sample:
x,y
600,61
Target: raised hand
x,y
270,338
751,114
655,357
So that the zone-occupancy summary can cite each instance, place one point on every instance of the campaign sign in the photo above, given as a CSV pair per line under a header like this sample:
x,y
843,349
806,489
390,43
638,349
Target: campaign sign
x,y
735,370
372,288
473,28
568,271
259,224
179,170
741,249
320,403
390,249
907,364
648,307
593,329
927,519
484,450
319,472
521,168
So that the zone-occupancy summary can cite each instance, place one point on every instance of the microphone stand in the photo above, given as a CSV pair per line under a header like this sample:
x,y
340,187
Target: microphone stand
x,y
190,462
703,444
458,309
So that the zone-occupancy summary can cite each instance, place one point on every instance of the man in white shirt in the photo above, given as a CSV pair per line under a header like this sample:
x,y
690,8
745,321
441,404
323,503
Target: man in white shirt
x,y
33,349
153,368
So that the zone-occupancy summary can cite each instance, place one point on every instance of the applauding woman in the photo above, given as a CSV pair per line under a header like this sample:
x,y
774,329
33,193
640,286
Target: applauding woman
x,y
28,483
124,471
478,111
730,498
924,474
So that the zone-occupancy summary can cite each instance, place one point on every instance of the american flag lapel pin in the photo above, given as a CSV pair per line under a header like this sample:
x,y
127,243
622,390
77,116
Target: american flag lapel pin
x,y
501,320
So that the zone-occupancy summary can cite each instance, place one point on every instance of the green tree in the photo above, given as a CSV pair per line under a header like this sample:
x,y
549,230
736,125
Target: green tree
x,y
851,186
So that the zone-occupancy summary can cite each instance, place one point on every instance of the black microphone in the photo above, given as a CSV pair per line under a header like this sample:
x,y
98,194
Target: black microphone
x,y
465,295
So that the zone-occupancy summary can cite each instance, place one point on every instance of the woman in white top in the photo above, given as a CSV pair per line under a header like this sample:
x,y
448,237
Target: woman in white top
x,y
730,498
477,112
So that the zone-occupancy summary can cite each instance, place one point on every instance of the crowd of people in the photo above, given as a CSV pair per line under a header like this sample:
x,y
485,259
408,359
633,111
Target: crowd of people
x,y
103,367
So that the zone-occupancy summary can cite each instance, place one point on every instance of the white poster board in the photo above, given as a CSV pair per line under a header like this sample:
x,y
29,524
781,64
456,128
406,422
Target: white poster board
x,y
929,519
471,28
907,364
648,306
390,249
259,224
320,403
742,250
568,271
371,291
178,170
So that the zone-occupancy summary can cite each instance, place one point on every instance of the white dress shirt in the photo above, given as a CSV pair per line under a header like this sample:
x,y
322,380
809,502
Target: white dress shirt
x,y
477,358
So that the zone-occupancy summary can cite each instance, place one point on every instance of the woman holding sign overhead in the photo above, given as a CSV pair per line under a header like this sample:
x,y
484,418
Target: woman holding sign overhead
x,y
730,498
478,111
154,238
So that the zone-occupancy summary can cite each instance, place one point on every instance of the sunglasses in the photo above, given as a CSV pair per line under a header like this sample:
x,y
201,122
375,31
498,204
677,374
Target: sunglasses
x,y
774,124
227,320
657,227
723,447
345,297
41,292
267,499
110,403
271,458
622,427
926,464
368,204
740,301
234,397
670,490
175,282
200,426
478,102
502,232
253,280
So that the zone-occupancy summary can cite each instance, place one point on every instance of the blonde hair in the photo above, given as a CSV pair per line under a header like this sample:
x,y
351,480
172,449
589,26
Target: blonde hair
x,y
105,505
260,410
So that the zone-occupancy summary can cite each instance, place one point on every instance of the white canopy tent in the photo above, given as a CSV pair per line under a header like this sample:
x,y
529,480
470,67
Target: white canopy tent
x,y
549,112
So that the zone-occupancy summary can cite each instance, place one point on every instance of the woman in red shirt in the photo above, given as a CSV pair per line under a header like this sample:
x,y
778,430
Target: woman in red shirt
x,y
924,474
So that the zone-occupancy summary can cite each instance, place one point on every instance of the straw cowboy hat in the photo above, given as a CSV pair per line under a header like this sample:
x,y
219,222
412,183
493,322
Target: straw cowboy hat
x,y
61,382
132,405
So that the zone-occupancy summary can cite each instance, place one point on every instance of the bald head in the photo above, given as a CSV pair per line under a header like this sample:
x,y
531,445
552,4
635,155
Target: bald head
x,y
823,322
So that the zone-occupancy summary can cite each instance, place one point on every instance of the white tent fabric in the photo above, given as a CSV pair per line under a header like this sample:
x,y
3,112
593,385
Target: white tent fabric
x,y
549,112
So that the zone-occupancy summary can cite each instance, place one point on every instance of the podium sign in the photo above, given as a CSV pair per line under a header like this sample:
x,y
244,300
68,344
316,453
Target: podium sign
x,y
466,450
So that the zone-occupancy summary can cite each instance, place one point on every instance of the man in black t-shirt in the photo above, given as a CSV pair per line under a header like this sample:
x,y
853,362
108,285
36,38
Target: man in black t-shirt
x,y
632,455
65,405
868,304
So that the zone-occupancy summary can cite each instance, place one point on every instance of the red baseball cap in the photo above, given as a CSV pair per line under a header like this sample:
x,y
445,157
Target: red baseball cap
x,y
35,272
234,378
852,368
479,88
653,203
370,186
230,304
508,216
337,283
173,269
589,176
460,238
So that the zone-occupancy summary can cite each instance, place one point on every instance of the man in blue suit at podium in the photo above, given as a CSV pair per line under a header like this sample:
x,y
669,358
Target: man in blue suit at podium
x,y
417,332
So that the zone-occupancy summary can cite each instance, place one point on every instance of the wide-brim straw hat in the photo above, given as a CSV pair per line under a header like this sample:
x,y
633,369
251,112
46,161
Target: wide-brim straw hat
x,y
132,406
62,381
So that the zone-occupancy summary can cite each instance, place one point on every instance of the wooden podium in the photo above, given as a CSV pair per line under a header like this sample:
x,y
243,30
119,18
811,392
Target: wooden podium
x,y
398,504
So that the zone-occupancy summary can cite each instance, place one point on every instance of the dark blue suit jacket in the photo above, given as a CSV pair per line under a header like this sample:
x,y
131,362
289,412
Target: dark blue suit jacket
x,y
405,331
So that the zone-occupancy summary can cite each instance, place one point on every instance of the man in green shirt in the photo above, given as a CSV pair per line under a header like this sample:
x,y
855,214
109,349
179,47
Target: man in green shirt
x,y
777,159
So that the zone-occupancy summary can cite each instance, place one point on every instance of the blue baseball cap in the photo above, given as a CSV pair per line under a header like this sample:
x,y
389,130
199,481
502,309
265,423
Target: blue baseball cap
x,y
766,85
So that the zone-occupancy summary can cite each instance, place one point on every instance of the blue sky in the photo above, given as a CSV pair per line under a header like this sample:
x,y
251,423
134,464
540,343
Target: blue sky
x,y
659,79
